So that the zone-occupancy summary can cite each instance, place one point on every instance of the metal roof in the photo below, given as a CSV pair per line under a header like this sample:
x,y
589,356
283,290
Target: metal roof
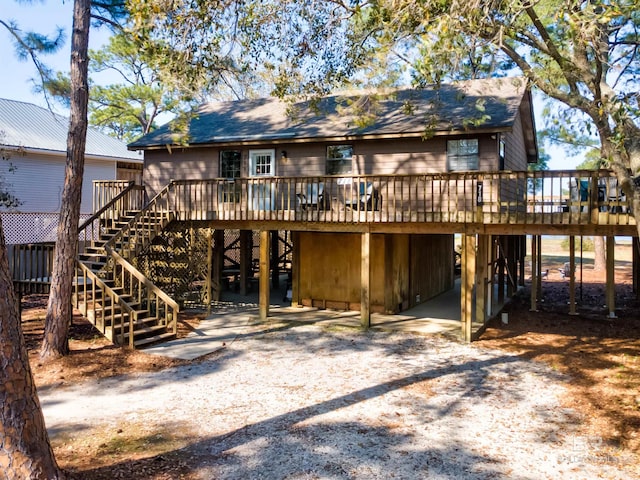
x,y
488,104
32,127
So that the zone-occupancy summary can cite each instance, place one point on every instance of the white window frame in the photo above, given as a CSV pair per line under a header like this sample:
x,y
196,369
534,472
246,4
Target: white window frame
x,y
253,157
339,159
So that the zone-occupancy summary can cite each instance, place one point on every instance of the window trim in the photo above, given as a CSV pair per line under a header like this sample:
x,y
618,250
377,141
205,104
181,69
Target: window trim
x,y
467,157
329,159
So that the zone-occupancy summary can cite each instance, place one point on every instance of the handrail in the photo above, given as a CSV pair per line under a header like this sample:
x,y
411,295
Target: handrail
x,y
144,280
95,280
106,207
134,221
555,197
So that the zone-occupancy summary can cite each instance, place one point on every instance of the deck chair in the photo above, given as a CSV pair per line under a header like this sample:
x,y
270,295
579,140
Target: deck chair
x,y
313,198
368,198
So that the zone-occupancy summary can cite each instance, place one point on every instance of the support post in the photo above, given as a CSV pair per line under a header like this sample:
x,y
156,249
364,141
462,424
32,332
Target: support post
x,y
635,265
365,280
539,269
534,273
481,278
275,254
522,252
218,262
210,273
246,252
295,269
572,275
265,241
501,266
611,276
468,278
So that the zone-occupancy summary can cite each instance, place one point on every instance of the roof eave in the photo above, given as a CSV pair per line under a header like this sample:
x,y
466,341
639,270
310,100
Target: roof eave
x,y
336,138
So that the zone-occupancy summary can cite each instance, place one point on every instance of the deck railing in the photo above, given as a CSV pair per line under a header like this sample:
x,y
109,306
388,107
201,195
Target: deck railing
x,y
551,197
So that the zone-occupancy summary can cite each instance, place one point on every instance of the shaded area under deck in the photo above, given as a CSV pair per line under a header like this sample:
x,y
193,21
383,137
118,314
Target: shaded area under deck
x,y
237,316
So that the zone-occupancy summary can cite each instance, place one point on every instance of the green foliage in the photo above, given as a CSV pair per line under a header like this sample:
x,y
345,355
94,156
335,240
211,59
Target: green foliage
x,y
583,54
586,244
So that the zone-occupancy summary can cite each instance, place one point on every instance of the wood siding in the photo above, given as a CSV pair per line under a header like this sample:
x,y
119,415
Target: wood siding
x,y
432,266
515,151
405,269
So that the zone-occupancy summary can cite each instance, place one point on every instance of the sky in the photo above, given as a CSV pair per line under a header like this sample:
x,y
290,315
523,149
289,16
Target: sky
x,y
43,17
16,81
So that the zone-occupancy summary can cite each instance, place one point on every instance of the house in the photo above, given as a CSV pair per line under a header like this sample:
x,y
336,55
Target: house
x,y
35,140
365,200
356,152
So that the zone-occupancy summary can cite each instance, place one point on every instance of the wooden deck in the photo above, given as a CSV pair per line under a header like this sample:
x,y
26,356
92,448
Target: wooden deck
x,y
571,202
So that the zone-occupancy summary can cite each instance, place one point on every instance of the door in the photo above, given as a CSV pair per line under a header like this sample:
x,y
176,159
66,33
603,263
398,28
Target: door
x,y
261,187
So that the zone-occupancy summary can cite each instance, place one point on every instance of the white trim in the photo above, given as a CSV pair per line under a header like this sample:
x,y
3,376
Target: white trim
x,y
252,166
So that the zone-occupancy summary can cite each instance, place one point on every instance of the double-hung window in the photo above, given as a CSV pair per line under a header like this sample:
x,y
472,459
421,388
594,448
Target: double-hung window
x,y
339,159
462,155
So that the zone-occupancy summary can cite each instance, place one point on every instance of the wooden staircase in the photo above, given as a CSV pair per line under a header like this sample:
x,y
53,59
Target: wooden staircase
x,y
111,293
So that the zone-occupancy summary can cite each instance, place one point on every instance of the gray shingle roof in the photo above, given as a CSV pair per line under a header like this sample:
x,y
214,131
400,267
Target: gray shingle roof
x,y
27,125
492,103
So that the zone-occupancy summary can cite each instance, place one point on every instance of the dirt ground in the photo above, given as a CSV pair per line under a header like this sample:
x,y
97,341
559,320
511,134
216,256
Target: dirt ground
x,y
600,356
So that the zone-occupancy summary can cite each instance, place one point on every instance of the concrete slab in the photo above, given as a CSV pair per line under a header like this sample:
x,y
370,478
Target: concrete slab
x,y
238,316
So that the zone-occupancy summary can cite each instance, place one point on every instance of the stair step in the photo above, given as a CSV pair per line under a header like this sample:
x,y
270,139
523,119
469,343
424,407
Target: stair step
x,y
147,341
140,332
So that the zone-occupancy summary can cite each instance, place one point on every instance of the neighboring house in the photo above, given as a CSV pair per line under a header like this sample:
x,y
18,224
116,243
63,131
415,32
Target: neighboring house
x,y
36,139
358,146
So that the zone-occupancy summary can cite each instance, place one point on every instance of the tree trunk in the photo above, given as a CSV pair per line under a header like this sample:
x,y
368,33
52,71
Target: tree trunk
x,y
25,451
599,262
59,310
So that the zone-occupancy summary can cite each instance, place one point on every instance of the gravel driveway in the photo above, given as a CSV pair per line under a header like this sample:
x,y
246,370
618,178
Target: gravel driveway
x,y
307,403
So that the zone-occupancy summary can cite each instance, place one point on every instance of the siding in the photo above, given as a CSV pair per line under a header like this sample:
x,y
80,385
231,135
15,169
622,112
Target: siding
x,y
38,181
515,151
388,157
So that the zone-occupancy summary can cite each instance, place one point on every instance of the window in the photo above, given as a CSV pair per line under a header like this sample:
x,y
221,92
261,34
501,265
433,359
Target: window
x,y
339,159
262,163
501,153
230,161
462,155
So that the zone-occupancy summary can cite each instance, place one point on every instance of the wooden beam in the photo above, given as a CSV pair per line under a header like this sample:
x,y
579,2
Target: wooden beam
x,y
246,254
365,280
218,262
534,273
611,276
265,241
210,271
466,287
572,275
539,268
501,266
295,269
481,278
635,265
275,256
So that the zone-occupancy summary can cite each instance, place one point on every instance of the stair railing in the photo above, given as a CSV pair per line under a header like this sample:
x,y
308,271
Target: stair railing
x,y
89,230
134,283
144,226
88,283
145,293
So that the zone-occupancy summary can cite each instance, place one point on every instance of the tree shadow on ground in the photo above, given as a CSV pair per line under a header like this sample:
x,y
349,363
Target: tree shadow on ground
x,y
600,354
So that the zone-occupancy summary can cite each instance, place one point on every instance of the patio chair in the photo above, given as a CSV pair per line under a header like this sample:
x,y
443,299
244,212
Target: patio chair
x,y
313,198
367,199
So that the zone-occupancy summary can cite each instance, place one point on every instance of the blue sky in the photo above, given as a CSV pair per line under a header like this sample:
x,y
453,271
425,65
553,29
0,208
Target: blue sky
x,y
16,81
43,17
